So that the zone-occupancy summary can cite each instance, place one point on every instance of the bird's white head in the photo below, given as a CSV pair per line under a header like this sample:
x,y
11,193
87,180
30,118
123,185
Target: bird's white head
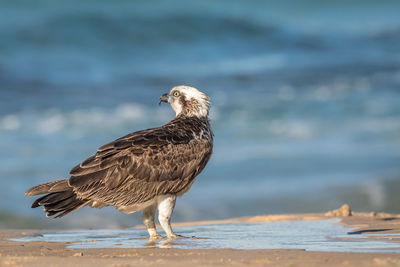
x,y
187,101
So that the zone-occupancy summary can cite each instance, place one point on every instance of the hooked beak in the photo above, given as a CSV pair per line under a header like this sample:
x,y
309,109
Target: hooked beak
x,y
163,98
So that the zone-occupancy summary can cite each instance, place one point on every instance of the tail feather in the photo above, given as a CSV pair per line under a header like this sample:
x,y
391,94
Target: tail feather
x,y
71,209
60,199
55,197
36,203
60,205
55,186
51,213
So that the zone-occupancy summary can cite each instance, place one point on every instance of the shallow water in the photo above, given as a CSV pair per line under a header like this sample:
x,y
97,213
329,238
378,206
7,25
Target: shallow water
x,y
327,235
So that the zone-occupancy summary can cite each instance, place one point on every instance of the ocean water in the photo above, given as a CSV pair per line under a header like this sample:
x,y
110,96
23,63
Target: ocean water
x,y
305,99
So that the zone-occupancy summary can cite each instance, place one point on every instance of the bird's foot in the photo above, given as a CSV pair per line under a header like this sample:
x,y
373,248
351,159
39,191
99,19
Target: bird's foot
x,y
155,237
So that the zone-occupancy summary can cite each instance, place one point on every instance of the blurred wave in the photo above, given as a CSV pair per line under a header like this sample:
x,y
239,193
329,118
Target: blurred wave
x,y
305,97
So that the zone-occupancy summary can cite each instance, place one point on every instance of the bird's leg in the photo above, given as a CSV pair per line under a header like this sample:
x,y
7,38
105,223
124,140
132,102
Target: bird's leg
x,y
166,204
148,220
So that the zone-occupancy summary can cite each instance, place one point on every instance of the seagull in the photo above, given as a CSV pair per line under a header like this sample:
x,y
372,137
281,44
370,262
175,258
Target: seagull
x,y
144,170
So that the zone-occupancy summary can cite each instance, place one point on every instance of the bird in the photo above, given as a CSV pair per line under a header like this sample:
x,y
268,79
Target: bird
x,y
141,171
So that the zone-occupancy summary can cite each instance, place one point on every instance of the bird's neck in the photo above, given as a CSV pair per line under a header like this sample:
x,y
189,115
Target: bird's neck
x,y
198,127
199,123
191,117
199,113
191,108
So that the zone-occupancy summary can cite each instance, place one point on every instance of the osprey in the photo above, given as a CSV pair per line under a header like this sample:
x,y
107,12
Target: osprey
x,y
144,170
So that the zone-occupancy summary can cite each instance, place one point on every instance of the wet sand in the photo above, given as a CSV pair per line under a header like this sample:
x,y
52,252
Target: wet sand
x,y
56,254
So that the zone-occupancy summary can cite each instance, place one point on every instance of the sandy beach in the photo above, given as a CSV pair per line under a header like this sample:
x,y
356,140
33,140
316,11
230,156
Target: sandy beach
x,y
56,254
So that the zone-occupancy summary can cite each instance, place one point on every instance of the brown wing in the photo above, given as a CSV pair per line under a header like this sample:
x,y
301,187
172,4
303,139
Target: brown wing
x,y
139,166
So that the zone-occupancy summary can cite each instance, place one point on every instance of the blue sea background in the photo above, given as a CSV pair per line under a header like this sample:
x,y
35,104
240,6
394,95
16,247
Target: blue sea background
x,y
305,100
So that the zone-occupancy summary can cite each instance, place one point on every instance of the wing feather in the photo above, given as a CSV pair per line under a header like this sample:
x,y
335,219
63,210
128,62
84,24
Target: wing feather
x,y
141,165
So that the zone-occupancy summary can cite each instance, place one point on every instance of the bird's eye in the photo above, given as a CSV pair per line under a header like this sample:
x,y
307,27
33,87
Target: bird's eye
x,y
176,93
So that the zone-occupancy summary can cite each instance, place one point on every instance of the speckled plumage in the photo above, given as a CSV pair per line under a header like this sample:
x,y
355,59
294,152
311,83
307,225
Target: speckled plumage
x,y
135,169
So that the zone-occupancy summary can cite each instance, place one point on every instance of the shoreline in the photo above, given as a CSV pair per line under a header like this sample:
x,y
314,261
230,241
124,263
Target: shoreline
x,y
40,253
